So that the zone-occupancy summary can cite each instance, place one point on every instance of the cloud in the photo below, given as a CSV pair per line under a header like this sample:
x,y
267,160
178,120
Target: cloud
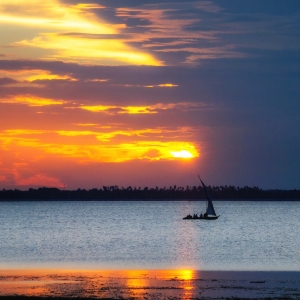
x,y
138,33
118,153
179,28
7,81
177,32
48,26
100,51
118,146
40,180
52,14
151,109
31,101
114,132
130,85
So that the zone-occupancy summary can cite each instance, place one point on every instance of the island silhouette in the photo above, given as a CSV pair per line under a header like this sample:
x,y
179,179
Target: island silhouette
x,y
146,193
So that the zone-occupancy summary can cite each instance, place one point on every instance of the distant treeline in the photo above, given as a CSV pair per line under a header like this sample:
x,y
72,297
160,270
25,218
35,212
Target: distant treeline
x,y
171,193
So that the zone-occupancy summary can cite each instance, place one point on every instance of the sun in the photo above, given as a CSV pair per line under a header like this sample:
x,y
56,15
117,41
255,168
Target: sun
x,y
182,154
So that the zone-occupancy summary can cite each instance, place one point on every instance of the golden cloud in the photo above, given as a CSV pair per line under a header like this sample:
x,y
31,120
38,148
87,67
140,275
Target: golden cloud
x,y
109,135
124,152
147,109
113,109
161,85
52,14
31,101
31,142
48,25
28,78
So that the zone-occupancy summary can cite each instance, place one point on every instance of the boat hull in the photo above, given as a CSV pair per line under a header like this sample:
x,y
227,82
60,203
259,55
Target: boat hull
x,y
210,213
203,218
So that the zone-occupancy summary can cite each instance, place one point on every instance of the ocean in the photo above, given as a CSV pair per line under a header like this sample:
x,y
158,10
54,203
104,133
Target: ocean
x,y
150,235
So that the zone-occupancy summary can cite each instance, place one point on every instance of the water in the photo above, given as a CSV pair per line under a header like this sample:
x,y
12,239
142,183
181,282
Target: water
x,y
149,235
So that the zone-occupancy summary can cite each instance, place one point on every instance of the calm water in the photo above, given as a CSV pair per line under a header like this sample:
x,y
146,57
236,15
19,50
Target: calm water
x,y
149,235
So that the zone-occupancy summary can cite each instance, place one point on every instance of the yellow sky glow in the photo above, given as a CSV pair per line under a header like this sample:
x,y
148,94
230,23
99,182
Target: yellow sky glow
x,y
22,141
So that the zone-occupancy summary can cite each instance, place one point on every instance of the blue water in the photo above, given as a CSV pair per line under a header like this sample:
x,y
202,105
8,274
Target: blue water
x,y
149,235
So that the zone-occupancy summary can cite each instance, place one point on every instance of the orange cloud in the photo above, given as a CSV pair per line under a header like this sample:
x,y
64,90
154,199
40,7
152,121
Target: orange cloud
x,y
43,143
40,180
124,151
107,136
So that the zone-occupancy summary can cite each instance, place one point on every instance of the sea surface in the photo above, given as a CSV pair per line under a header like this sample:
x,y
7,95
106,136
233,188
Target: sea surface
x,y
249,235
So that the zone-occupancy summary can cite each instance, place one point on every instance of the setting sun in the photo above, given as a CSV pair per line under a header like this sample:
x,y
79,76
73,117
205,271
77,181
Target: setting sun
x,y
182,154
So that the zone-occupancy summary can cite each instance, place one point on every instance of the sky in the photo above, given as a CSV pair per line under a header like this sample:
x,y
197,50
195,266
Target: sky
x,y
143,93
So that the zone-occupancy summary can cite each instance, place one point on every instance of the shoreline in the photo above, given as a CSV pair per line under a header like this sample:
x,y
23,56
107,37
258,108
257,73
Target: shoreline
x,y
149,284
151,200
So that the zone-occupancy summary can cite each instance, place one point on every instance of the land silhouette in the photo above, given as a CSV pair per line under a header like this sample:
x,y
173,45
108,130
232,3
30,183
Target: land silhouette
x,y
133,193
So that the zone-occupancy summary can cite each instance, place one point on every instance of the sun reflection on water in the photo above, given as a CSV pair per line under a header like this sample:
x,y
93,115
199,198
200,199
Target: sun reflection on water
x,y
104,283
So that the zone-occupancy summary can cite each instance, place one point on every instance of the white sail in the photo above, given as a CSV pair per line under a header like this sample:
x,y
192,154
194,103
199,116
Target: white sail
x,y
210,208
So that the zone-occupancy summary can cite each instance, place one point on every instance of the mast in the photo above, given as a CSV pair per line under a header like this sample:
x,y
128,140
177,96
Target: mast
x,y
210,208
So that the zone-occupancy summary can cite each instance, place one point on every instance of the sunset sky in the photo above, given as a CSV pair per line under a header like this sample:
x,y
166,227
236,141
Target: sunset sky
x,y
149,93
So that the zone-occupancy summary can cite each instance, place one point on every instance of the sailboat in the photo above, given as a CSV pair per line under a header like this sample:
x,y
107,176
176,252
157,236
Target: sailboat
x,y
210,213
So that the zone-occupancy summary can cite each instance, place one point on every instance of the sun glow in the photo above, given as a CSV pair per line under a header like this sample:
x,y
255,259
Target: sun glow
x,y
182,154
